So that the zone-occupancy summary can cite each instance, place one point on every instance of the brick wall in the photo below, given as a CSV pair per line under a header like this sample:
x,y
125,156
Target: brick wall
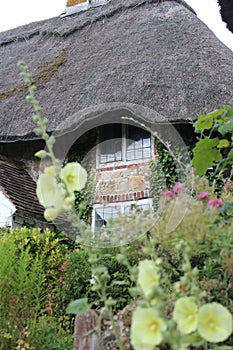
x,y
122,182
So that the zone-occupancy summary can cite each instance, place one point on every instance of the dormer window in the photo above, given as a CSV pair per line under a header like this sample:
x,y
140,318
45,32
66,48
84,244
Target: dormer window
x,y
123,143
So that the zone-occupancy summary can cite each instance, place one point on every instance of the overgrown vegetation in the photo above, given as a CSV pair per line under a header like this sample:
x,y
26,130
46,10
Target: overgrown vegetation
x,y
177,273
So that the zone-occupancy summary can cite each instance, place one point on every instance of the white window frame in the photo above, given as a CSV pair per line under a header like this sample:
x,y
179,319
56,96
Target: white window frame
x,y
122,206
123,161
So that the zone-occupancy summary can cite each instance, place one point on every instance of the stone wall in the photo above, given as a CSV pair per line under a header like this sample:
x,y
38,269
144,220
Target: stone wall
x,y
122,182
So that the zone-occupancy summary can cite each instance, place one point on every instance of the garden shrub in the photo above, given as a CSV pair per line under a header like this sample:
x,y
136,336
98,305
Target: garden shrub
x,y
29,275
76,281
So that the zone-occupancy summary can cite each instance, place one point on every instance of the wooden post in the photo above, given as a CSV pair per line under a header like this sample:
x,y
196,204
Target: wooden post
x,y
83,324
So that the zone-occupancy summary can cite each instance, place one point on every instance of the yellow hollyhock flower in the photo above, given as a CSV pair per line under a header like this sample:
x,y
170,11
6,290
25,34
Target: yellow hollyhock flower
x,y
214,322
51,213
148,276
146,329
50,195
185,314
48,191
51,171
74,176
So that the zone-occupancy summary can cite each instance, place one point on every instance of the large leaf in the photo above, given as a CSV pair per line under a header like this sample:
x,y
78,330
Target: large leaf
x,y
206,155
78,307
205,122
226,127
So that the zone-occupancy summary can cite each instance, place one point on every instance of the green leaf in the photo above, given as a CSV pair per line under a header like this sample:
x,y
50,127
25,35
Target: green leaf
x,y
204,122
223,143
205,155
226,127
78,307
230,154
229,111
120,283
92,331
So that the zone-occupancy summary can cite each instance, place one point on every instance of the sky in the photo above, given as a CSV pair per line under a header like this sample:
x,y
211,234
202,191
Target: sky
x,y
18,12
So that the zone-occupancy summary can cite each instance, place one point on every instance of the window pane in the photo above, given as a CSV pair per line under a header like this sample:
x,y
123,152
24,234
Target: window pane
x,y
133,208
102,215
137,141
146,153
146,142
110,143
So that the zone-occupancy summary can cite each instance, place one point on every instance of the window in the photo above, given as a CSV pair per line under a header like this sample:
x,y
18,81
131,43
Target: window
x,y
123,143
102,213
138,143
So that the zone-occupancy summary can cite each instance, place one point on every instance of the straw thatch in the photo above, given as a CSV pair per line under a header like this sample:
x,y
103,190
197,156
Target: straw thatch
x,y
156,54
226,10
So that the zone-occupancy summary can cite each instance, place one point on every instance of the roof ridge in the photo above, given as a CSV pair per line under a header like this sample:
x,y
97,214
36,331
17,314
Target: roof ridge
x,y
85,19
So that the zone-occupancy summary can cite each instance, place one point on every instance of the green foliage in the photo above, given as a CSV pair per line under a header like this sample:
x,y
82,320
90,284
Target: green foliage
x,y
77,277
78,307
215,143
29,273
163,171
206,154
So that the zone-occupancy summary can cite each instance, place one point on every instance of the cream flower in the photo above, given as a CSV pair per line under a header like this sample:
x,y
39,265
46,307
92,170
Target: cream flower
x,y
48,191
148,276
51,213
50,195
74,176
214,322
51,171
146,329
185,314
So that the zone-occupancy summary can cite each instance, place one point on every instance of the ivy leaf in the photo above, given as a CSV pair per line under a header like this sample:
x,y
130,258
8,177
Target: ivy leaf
x,y
223,143
205,155
78,307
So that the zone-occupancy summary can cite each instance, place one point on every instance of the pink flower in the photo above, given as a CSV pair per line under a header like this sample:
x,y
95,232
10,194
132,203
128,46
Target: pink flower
x,y
178,187
167,193
227,186
203,195
215,203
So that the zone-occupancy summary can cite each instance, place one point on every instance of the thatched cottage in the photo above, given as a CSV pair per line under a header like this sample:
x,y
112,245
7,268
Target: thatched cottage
x,y
153,61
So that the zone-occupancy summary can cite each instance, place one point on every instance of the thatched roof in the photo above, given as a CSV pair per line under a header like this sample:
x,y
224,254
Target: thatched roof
x,y
226,10
152,53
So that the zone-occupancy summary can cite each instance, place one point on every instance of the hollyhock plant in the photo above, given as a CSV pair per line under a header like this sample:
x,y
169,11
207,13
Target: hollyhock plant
x,y
50,195
146,329
215,203
214,322
148,276
185,314
74,176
